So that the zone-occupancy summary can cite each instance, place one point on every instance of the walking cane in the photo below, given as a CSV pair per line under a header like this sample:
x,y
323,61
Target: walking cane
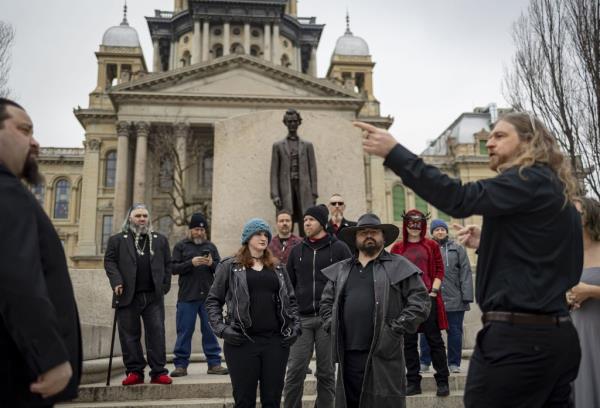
x,y
112,341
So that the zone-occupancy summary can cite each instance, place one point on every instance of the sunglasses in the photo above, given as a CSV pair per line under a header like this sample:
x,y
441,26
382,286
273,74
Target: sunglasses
x,y
337,203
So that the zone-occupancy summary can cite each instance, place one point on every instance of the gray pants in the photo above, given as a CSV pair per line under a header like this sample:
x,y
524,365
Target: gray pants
x,y
313,338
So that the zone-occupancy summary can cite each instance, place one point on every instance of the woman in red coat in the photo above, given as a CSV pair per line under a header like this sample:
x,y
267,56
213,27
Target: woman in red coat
x,y
425,254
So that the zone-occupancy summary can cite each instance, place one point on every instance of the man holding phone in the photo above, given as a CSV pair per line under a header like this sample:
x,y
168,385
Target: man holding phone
x,y
195,260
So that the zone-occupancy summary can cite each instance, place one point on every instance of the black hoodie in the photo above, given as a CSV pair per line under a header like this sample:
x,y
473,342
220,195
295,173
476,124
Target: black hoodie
x,y
304,265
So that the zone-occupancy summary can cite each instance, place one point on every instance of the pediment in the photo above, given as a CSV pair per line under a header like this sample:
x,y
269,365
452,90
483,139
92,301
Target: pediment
x,y
236,76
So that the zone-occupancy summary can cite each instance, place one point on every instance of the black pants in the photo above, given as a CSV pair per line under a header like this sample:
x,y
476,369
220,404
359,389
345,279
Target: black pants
x,y
520,366
297,213
355,362
436,345
262,361
151,310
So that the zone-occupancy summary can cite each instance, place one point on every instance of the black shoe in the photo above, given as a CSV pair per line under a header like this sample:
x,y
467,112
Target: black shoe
x,y
443,390
413,389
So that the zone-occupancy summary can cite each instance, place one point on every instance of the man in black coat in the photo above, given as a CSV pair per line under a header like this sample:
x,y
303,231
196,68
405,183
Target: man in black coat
x,y
337,222
317,251
138,264
40,339
195,260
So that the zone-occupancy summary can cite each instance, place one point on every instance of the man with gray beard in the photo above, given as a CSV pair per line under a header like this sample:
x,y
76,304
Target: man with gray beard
x,y
138,264
195,260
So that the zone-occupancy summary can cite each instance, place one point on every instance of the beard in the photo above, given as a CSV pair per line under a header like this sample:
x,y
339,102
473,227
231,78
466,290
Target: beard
x,y
198,241
139,229
31,171
370,247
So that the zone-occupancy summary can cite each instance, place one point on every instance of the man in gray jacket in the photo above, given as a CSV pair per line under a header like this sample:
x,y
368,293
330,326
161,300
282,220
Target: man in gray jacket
x,y
370,301
457,288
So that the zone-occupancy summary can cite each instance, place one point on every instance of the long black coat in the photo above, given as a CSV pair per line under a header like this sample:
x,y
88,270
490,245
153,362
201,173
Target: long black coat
x,y
39,324
281,185
121,268
401,305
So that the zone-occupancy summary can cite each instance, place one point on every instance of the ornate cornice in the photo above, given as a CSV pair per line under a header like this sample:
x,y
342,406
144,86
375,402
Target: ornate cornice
x,y
153,81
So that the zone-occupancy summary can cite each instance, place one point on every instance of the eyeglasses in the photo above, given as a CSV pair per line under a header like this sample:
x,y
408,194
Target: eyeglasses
x,y
337,203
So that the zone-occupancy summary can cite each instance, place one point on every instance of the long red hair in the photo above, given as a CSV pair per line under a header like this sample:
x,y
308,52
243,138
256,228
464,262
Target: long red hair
x,y
244,257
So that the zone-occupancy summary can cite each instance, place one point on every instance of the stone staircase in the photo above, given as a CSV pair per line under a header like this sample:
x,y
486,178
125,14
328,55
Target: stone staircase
x,y
210,391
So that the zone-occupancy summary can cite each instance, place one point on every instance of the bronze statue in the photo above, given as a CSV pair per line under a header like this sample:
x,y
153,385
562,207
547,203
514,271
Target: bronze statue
x,y
293,171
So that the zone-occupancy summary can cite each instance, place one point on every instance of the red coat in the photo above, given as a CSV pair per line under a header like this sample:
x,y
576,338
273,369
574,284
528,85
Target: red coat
x,y
435,267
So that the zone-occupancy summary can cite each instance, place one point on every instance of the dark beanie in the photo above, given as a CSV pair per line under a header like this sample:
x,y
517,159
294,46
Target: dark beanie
x,y
437,224
198,220
319,213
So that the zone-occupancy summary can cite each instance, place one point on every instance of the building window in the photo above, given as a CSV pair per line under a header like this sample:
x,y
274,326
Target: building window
x,y
483,150
39,191
110,169
165,177
399,202
255,51
217,50
217,32
236,31
186,59
61,199
207,169
237,48
255,33
285,61
107,223
421,204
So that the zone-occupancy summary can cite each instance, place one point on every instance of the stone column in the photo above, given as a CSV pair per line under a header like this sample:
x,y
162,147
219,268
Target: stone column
x,y
247,38
121,176
312,65
172,56
196,43
298,57
156,62
226,38
89,199
181,131
267,47
205,42
141,153
276,58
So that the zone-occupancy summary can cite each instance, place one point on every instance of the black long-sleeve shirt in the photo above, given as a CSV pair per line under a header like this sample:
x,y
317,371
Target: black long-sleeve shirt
x,y
530,251
194,281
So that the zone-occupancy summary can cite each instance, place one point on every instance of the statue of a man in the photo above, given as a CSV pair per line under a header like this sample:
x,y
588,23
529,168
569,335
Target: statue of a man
x,y
293,171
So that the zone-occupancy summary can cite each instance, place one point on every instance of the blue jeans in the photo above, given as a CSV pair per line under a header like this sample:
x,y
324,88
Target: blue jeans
x,y
186,323
455,334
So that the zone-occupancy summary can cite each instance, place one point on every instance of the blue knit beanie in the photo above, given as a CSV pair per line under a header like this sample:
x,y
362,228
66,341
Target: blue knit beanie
x,y
436,224
254,226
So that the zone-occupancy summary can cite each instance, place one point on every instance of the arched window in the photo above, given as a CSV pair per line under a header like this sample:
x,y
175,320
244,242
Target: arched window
x,y
255,50
62,190
165,180
110,169
186,58
421,204
207,169
217,50
399,201
237,48
39,191
285,61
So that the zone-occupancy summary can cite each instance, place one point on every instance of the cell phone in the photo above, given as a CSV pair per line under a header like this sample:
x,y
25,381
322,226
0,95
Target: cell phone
x,y
205,253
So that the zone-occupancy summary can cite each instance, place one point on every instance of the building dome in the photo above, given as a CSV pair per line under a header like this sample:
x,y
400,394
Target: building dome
x,y
122,35
349,44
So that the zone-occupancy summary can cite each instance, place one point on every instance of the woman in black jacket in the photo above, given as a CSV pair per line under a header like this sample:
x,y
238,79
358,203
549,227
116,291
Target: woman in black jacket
x,y
261,321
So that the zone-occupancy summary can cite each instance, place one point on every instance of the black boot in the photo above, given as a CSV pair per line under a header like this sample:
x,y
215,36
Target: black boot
x,y
443,390
413,389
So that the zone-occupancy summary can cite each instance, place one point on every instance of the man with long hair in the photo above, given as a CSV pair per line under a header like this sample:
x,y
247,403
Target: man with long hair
x,y
40,338
530,253
138,265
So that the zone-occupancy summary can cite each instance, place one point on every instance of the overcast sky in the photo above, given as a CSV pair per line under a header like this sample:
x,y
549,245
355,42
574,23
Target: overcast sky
x,y
435,59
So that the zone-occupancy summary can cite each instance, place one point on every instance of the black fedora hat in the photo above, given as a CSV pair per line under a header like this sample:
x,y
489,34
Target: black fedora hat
x,y
369,220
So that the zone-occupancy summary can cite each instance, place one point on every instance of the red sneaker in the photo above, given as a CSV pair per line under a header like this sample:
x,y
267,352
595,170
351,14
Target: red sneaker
x,y
133,379
161,379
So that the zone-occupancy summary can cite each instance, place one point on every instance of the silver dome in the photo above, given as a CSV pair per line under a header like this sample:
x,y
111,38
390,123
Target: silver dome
x,y
349,44
122,35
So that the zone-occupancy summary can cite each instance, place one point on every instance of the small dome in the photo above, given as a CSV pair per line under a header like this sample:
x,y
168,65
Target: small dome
x,y
349,44
122,35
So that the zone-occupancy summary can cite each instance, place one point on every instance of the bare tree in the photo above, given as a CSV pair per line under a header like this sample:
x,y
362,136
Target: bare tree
x,y
555,73
177,157
7,35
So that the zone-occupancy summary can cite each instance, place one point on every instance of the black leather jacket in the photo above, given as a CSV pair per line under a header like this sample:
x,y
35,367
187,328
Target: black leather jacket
x,y
231,288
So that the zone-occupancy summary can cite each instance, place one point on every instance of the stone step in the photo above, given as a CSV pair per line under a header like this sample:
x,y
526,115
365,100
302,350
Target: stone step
x,y
425,400
210,388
